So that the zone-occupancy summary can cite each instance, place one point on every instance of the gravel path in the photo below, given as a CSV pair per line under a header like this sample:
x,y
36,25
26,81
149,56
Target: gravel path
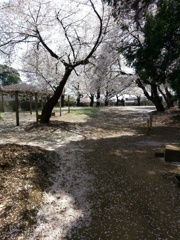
x,y
107,185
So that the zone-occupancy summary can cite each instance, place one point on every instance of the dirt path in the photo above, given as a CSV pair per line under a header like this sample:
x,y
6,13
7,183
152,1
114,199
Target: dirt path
x,y
133,194
106,182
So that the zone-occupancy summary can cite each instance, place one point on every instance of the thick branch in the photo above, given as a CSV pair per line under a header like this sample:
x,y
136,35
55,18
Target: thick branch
x,y
140,84
53,54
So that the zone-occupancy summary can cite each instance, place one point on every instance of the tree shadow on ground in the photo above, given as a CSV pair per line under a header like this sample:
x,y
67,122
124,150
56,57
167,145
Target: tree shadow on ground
x,y
133,195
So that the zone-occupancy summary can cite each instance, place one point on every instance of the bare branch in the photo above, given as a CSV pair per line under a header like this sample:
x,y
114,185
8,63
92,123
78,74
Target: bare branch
x,y
13,42
67,37
98,40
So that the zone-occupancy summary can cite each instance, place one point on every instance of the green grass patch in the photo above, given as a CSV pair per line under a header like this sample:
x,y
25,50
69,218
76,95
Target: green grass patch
x,y
91,112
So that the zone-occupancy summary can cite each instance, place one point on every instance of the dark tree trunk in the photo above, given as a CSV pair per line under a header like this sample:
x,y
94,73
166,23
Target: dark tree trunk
x,y
123,102
138,100
167,97
91,100
106,102
170,101
98,98
117,100
46,112
154,97
78,100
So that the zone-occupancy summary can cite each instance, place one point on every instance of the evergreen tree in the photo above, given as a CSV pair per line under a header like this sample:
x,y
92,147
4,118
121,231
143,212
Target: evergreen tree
x,y
156,58
8,75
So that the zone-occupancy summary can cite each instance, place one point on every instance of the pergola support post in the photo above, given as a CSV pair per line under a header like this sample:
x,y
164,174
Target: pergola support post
x,y
60,109
68,104
30,104
36,105
17,108
2,101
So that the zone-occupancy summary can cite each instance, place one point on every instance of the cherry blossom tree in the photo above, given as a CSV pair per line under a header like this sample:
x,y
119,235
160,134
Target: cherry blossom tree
x,y
69,33
41,69
106,74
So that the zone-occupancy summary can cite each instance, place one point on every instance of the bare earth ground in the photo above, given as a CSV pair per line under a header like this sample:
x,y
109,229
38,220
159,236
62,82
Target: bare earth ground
x,y
89,177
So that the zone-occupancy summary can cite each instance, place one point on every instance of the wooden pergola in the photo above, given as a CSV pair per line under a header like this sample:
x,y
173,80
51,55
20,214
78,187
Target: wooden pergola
x,y
23,89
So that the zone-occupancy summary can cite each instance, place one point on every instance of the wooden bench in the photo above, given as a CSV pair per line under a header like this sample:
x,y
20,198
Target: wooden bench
x,y
172,152
177,179
159,153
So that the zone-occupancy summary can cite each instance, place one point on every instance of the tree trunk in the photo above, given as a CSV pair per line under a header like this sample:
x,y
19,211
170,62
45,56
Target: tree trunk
x,y
170,101
78,100
98,98
91,100
117,100
167,97
138,100
46,112
106,102
123,102
156,99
